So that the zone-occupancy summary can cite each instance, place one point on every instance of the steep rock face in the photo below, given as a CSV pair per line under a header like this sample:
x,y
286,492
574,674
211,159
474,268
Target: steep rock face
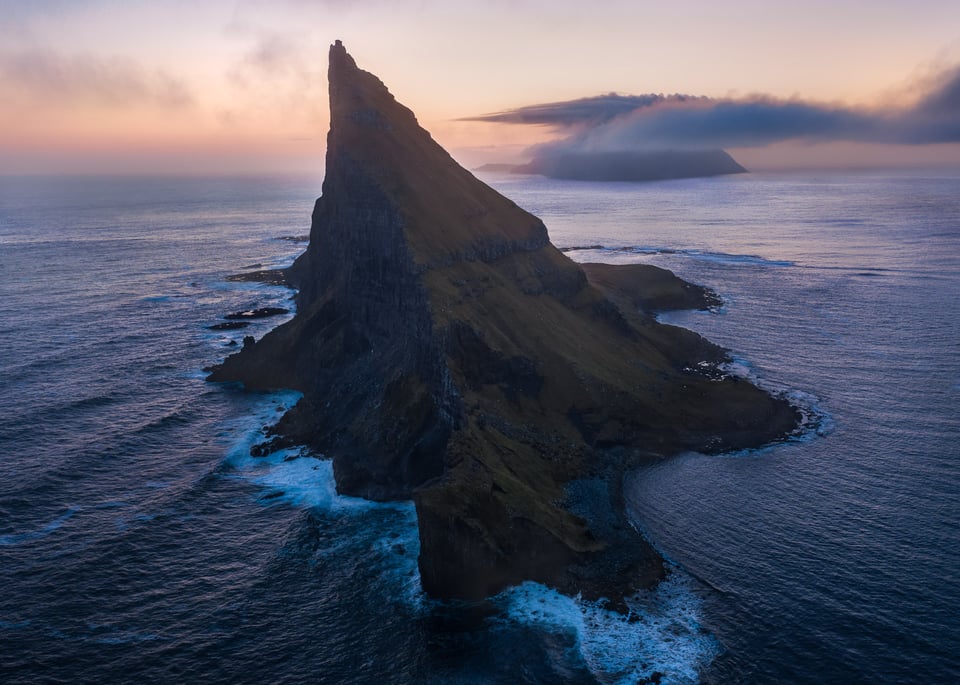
x,y
448,353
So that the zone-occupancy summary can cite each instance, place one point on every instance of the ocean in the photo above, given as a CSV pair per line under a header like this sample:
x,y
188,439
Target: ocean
x,y
140,541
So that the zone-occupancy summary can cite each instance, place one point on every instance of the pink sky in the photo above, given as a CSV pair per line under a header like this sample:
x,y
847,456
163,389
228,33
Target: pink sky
x,y
218,86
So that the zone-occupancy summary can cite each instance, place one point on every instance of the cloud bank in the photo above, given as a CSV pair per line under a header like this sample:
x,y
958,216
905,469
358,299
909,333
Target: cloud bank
x,y
47,78
277,73
614,122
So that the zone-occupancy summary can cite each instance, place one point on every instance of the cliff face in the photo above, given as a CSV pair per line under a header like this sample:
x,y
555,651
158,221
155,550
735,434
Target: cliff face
x,y
448,353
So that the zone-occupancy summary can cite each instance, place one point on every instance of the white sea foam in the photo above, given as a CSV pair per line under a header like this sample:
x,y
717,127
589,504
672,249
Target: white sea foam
x,y
734,259
661,635
739,367
705,255
294,478
815,420
287,475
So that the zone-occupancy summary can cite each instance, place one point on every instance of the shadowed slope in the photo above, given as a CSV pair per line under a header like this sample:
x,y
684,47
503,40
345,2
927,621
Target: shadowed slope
x,y
449,353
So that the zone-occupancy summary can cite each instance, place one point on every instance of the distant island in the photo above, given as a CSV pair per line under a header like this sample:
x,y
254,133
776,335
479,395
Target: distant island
x,y
580,157
448,353
648,165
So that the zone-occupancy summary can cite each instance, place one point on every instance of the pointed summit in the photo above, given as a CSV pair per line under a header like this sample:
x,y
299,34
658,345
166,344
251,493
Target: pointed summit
x,y
455,215
356,94
448,353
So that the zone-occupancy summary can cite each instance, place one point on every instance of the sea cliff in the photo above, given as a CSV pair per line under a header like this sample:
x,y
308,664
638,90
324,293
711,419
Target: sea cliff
x,y
448,353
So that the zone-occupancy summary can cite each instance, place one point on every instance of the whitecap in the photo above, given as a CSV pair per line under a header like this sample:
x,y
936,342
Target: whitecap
x,y
815,420
738,366
725,258
294,477
736,259
661,634
291,475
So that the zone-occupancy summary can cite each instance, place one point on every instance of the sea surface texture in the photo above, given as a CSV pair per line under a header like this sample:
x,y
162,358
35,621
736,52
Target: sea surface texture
x,y
140,541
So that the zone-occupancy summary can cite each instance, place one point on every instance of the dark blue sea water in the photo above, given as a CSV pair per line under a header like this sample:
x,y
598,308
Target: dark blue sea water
x,y
139,541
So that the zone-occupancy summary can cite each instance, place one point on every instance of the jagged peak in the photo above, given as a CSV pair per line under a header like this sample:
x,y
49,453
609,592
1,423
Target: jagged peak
x,y
342,70
373,134
359,98
339,55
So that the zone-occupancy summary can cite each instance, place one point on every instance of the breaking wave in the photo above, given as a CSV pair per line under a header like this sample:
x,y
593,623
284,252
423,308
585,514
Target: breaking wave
x,y
705,255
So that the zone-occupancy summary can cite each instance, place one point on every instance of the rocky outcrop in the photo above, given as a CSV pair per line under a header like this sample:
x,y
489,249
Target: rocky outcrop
x,y
648,287
448,353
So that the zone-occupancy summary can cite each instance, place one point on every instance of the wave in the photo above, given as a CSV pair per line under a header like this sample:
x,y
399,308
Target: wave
x,y
660,640
816,421
54,525
705,255
178,416
385,533
293,475
160,298
257,295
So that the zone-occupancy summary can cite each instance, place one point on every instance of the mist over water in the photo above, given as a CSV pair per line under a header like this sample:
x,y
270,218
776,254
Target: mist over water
x,y
140,541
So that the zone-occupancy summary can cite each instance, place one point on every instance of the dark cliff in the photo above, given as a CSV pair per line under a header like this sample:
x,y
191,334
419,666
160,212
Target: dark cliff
x,y
448,353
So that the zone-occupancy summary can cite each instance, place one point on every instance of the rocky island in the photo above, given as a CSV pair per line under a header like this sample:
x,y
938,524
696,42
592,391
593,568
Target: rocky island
x,y
647,165
631,166
448,353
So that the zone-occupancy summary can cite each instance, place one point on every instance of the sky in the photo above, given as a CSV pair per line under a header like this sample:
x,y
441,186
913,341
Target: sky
x,y
239,86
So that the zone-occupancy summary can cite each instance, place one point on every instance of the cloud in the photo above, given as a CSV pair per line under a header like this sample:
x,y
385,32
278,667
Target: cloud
x,y
273,55
47,78
729,123
936,117
617,122
280,73
598,109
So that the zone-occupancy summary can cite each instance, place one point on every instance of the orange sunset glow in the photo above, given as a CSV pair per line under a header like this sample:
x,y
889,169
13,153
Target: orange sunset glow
x,y
106,86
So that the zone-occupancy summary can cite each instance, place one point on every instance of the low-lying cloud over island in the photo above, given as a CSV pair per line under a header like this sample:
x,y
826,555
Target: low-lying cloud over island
x,y
613,122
